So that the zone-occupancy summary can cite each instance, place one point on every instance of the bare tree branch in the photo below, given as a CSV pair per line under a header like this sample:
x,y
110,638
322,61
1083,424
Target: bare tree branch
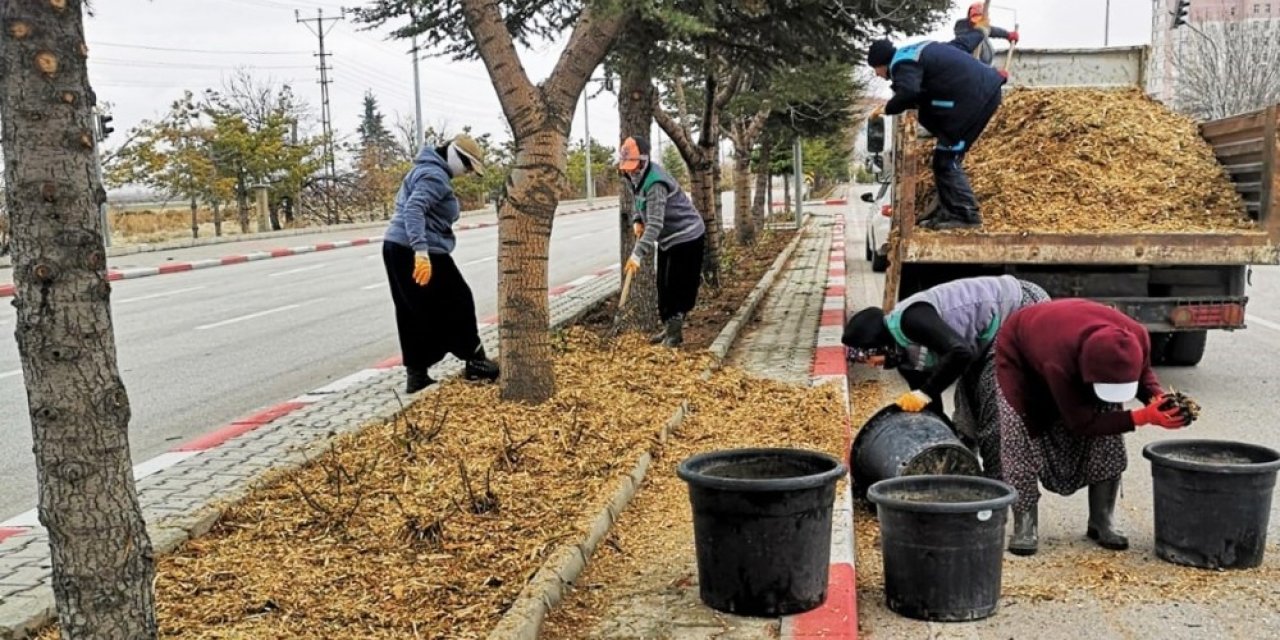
x,y
1227,68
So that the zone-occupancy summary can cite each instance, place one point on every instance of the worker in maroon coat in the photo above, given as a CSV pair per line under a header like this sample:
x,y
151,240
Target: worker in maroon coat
x,y
1064,370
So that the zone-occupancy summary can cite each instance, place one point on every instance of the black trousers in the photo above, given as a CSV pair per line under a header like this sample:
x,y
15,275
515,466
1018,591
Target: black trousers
x,y
955,194
435,320
679,275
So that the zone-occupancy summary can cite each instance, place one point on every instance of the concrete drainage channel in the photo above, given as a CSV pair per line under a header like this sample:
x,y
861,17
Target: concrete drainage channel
x,y
554,579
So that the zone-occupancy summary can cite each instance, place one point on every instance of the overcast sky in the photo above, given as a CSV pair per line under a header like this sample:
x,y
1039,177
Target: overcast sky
x,y
144,53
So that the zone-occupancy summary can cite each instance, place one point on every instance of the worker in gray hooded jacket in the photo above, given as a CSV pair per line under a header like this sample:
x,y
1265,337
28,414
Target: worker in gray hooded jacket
x,y
664,217
943,336
435,311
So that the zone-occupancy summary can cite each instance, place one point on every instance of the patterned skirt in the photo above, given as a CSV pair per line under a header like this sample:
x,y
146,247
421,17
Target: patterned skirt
x,y
977,415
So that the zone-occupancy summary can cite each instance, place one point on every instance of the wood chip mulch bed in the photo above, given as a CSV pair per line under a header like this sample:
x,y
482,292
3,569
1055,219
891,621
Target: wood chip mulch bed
x,y
428,526
1095,161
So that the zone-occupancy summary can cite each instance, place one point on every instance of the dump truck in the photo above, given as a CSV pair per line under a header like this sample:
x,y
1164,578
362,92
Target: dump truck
x,y
1179,285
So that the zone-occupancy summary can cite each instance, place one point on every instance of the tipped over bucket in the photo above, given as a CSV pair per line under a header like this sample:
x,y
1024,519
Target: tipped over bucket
x,y
897,443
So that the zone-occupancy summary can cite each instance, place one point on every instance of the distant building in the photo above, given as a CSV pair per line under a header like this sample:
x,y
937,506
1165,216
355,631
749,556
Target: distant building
x,y
1166,41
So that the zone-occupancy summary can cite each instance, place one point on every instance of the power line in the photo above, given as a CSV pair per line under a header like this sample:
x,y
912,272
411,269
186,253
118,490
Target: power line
x,y
213,51
179,65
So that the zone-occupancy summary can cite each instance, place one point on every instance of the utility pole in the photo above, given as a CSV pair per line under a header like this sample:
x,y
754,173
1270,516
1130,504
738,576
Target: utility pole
x,y
798,161
417,97
326,117
101,130
1106,29
586,125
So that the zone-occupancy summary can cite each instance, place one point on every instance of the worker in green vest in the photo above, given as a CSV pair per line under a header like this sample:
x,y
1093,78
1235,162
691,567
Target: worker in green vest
x,y
664,217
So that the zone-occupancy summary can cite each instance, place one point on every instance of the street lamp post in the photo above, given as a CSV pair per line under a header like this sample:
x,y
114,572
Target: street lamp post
x,y
586,126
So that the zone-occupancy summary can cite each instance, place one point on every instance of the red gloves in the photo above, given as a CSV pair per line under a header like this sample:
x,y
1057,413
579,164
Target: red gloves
x,y
1013,37
1169,416
1003,74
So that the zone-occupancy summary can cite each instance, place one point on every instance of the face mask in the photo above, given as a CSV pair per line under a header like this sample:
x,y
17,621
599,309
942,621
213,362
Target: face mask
x,y
459,165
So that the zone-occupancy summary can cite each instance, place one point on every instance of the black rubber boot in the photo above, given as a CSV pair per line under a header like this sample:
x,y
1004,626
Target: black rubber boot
x,y
1102,508
659,337
675,331
480,369
417,380
1026,533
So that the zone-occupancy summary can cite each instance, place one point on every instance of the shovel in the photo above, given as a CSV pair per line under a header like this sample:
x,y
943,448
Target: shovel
x,y
1008,59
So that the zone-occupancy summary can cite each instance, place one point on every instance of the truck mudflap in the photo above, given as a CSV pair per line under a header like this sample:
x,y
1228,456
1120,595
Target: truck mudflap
x,y
1183,314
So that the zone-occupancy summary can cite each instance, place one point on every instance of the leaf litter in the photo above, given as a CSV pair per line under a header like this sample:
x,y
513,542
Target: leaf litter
x,y
1094,161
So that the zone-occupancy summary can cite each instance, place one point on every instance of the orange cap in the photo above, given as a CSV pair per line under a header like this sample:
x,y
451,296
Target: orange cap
x,y
630,156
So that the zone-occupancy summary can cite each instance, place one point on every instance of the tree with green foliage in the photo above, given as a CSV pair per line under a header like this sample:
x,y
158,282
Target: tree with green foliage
x,y
251,142
539,116
377,167
172,156
603,173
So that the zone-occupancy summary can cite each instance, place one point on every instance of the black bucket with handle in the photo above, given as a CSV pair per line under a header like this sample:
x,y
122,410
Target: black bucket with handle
x,y
896,443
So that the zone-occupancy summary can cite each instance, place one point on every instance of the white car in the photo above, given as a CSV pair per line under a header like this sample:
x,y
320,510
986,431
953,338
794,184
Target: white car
x,y
878,217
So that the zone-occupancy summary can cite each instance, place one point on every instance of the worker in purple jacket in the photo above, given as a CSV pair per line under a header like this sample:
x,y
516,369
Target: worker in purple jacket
x,y
1064,370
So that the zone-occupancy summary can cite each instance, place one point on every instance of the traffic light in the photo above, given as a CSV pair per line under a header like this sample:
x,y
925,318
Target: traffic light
x,y
104,128
1180,13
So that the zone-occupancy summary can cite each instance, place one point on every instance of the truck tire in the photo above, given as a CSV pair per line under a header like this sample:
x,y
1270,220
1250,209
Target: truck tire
x,y
879,263
1185,348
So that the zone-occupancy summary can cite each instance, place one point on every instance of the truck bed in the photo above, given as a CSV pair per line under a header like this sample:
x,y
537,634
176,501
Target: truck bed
x,y
1247,147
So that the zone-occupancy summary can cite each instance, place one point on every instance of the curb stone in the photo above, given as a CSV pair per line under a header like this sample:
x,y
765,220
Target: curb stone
x,y
523,620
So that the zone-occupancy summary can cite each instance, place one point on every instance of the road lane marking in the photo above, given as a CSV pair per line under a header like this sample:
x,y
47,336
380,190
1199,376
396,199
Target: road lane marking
x,y
1266,323
250,316
480,260
158,295
373,255
582,235
10,374
298,270
376,285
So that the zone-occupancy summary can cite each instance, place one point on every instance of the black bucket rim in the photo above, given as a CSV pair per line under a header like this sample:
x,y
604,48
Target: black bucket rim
x,y
1157,451
688,471
876,494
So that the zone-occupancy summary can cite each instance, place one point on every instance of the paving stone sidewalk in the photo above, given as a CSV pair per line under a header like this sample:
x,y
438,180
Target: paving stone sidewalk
x,y
180,501
779,345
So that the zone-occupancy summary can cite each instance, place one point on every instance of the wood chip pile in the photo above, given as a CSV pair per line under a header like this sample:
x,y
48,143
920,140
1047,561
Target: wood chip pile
x,y
1095,161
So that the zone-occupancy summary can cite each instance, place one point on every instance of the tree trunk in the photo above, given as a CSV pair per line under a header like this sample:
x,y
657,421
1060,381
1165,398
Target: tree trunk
x,y
195,219
743,217
99,550
762,183
242,199
786,192
217,218
273,214
524,227
635,114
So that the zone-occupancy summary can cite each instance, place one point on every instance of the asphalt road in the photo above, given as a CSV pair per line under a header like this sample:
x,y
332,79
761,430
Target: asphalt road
x,y
202,348
1237,385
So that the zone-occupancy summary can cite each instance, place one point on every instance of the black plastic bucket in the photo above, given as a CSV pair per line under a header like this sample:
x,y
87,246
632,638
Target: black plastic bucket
x,y
762,528
942,538
1212,501
896,443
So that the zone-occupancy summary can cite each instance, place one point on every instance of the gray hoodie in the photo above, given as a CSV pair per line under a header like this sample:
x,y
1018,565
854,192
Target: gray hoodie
x,y
426,207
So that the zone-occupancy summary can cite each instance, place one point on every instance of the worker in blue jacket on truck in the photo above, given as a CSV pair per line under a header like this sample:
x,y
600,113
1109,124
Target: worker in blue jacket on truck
x,y
955,96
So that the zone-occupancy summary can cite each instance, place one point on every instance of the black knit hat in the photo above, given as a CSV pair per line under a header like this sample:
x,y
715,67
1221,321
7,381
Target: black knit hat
x,y
867,330
881,53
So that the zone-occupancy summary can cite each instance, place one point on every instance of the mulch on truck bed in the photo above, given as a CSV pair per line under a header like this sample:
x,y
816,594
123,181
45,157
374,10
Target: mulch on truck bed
x,y
1095,161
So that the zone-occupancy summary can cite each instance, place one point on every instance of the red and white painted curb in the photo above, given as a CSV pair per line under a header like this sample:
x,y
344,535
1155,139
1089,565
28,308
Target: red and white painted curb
x,y
837,617
23,522
8,290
